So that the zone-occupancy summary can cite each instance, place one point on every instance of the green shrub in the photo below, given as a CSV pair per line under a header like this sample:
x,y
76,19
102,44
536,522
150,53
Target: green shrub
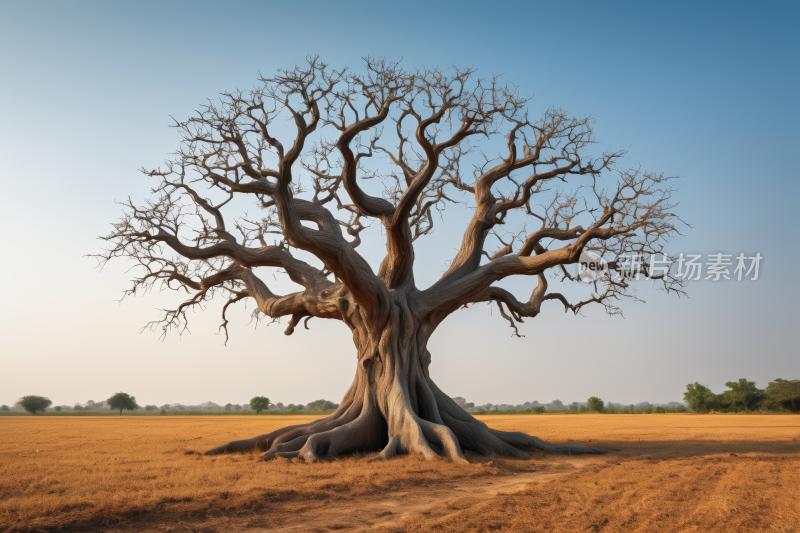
x,y
742,395
33,403
700,398
783,394
122,401
259,403
595,404
325,405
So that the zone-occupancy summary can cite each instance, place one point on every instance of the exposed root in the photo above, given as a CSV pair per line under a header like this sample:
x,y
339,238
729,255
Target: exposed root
x,y
521,439
477,436
345,435
444,437
348,410
289,437
389,451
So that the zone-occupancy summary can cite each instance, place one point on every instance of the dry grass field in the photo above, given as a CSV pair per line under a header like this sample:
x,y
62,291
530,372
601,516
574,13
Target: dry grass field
x,y
687,473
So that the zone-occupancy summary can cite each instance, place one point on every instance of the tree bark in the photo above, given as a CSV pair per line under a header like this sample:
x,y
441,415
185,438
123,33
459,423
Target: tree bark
x,y
394,406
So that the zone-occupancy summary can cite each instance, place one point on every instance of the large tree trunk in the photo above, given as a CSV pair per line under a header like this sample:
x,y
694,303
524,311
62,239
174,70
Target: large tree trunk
x,y
394,406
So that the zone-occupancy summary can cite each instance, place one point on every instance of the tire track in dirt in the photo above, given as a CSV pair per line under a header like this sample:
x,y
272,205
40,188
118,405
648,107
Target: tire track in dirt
x,y
395,508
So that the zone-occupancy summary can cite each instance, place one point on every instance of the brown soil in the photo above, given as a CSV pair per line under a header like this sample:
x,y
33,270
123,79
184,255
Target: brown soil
x,y
665,473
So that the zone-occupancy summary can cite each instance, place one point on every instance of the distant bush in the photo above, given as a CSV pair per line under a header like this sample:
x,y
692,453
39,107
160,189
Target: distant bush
x,y
33,403
77,408
58,408
91,405
700,398
122,401
259,404
659,410
322,405
163,412
744,395
150,408
462,403
539,409
782,394
595,404
4,408
555,405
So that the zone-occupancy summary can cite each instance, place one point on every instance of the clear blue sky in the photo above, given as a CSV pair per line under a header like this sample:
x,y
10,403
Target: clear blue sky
x,y
706,90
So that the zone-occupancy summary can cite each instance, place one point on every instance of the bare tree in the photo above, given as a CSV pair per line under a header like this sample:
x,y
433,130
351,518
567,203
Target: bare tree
x,y
415,131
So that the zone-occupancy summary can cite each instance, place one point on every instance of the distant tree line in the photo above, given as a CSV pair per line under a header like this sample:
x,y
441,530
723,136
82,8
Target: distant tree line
x,y
740,396
592,405
122,401
597,405
745,396
527,406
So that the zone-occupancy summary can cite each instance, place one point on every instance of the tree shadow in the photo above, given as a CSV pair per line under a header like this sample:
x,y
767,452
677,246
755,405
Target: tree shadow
x,y
666,449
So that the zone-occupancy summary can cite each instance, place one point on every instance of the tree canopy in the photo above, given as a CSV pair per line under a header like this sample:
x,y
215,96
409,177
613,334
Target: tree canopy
x,y
122,401
420,128
699,397
33,403
259,404
595,404
784,393
743,395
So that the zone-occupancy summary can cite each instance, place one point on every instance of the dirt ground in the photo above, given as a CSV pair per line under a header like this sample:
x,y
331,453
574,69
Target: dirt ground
x,y
667,472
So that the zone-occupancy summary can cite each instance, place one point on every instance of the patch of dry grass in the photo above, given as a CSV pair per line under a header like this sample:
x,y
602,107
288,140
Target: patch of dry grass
x,y
669,473
663,435
63,472
722,493
687,473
